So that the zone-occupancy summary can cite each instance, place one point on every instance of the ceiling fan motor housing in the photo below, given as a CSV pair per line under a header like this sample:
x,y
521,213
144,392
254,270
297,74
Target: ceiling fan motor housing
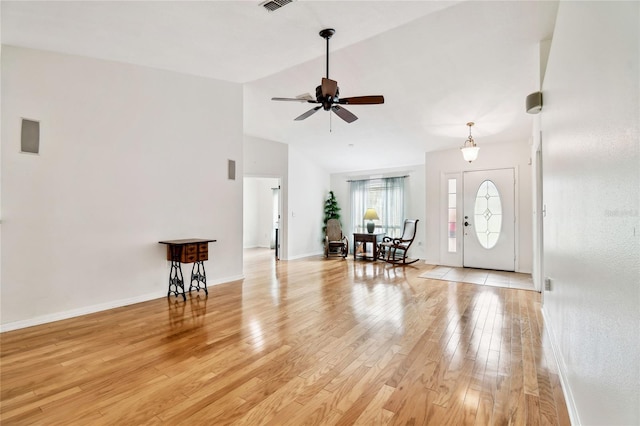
x,y
326,101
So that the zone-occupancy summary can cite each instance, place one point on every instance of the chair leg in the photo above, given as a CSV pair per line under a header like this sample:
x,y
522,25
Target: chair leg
x,y
393,258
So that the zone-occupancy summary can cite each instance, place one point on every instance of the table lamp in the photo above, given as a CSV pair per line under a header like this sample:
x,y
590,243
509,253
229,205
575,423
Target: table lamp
x,y
371,215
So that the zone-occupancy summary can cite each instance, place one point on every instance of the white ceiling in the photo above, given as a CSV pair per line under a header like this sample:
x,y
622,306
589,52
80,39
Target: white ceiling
x,y
438,64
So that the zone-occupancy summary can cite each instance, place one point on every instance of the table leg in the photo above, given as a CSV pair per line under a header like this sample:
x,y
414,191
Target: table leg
x,y
198,275
176,280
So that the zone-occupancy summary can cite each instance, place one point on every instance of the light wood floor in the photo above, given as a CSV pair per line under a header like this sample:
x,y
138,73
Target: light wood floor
x,y
310,341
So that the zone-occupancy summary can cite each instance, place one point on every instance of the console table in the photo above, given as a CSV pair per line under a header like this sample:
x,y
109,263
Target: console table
x,y
364,238
189,250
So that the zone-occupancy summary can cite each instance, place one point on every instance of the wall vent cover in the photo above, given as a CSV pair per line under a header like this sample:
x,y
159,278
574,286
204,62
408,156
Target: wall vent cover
x,y
273,5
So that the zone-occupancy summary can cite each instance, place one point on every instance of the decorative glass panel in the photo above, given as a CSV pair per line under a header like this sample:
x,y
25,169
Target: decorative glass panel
x,y
452,186
488,214
451,222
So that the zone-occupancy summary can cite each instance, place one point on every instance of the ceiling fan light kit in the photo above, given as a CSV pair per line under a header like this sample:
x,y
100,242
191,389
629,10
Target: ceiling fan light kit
x,y
328,94
469,149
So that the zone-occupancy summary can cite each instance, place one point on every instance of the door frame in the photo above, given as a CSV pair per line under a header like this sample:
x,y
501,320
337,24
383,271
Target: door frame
x,y
456,259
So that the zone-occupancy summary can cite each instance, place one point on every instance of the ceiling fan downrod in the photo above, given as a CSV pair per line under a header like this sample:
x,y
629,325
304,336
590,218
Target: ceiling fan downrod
x,y
326,34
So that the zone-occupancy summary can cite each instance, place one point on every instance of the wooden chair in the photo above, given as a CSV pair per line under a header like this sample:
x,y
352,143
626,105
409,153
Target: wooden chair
x,y
335,243
394,250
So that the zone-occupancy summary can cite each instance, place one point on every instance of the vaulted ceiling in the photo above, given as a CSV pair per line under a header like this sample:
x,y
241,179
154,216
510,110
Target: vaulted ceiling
x,y
438,64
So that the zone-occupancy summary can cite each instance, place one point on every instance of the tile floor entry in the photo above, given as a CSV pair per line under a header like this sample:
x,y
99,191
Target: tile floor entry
x,y
480,277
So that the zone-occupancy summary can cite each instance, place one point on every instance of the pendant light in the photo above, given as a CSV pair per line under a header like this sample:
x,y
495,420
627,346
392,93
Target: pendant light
x,y
469,149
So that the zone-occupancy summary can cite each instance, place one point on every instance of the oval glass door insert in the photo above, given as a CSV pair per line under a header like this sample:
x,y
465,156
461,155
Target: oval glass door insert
x,y
488,214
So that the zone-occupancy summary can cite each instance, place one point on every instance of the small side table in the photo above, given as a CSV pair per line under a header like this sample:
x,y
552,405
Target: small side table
x,y
364,238
189,250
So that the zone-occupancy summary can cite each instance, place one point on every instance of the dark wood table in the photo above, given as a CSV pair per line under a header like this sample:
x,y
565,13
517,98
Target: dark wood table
x,y
188,250
364,238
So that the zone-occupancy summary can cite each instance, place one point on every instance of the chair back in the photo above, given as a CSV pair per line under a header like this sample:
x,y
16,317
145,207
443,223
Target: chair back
x,y
334,231
409,232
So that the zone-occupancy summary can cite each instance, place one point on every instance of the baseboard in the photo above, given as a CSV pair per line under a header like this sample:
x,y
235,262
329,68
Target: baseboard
x,y
302,256
562,369
58,316
225,280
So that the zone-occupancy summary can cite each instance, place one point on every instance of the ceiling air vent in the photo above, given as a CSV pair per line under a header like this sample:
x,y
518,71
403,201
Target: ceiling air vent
x,y
273,5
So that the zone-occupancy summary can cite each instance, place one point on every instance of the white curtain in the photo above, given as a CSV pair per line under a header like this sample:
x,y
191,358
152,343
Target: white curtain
x,y
359,204
386,196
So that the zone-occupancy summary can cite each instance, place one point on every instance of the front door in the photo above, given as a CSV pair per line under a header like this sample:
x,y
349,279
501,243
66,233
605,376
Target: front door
x,y
489,219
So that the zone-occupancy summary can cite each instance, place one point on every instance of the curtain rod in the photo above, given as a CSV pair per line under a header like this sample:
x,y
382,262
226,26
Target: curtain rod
x,y
387,177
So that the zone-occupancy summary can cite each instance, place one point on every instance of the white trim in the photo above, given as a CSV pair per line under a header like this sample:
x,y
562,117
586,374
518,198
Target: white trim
x,y
562,372
58,316
225,280
301,256
516,220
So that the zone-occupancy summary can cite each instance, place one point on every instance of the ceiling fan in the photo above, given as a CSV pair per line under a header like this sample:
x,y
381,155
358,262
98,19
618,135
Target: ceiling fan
x,y
327,94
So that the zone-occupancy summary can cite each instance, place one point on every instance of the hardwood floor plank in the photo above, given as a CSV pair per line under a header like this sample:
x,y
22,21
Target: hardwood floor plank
x,y
532,410
310,341
419,409
374,413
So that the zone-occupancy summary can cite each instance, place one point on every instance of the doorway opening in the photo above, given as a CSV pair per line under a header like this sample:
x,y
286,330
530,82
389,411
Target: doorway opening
x,y
261,214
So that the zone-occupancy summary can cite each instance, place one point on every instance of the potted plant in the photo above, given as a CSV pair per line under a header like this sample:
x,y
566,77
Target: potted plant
x,y
331,210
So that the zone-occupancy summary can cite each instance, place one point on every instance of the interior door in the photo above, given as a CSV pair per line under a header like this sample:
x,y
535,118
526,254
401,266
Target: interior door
x,y
489,219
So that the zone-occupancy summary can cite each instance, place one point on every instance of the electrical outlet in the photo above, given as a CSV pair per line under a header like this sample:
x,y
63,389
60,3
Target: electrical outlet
x,y
547,284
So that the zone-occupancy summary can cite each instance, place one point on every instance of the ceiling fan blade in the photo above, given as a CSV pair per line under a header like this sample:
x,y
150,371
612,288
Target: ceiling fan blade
x,y
346,115
362,100
295,100
329,87
307,114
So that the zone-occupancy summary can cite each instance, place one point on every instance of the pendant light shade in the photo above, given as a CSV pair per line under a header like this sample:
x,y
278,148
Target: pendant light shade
x,y
469,149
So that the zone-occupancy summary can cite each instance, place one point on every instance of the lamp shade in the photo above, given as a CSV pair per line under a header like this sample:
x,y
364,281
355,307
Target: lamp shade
x,y
469,149
470,153
371,214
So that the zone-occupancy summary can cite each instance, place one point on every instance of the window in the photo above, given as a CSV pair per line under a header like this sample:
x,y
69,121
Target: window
x,y
452,215
488,214
386,196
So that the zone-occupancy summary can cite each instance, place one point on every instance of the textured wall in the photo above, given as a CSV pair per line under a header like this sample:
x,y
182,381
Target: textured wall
x,y
591,163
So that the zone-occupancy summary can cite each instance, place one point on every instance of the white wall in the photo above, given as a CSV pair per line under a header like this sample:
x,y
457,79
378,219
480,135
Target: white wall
x,y
308,188
250,216
129,156
304,186
265,158
591,165
491,156
415,199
